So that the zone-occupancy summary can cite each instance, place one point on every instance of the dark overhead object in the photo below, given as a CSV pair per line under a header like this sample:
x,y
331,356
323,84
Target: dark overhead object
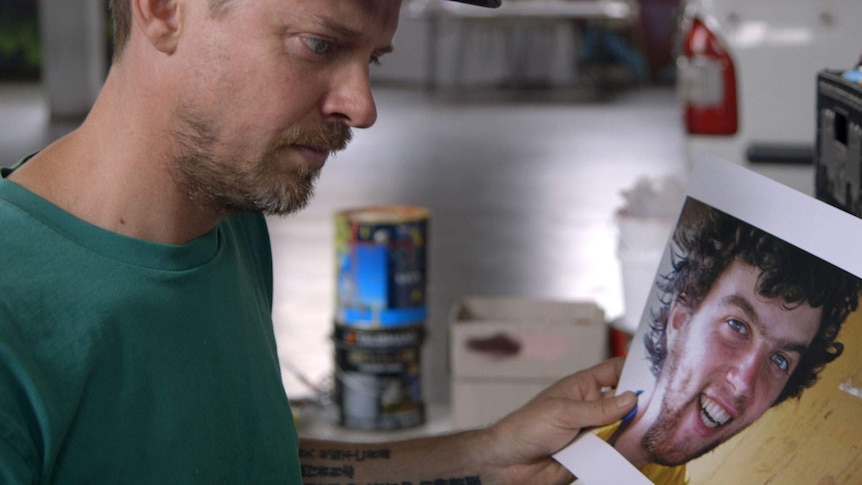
x,y
482,3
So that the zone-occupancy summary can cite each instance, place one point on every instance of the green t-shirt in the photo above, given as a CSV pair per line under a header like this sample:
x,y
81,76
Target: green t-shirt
x,y
125,361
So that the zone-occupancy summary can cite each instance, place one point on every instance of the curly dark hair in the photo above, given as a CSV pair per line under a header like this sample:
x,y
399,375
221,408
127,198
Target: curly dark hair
x,y
707,240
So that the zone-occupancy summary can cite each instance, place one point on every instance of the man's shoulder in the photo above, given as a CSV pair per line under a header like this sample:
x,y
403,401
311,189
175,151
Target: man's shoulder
x,y
20,239
666,475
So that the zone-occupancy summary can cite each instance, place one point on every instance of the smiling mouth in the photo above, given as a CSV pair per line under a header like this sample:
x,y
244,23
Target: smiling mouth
x,y
712,414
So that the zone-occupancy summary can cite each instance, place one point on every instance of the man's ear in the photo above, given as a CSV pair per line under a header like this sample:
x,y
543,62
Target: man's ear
x,y
677,316
160,22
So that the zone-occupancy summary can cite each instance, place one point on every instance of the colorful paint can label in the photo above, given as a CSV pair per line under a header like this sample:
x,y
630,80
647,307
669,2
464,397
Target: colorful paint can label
x,y
381,261
378,378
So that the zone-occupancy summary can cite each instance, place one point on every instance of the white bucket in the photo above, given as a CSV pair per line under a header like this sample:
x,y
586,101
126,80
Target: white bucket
x,y
641,245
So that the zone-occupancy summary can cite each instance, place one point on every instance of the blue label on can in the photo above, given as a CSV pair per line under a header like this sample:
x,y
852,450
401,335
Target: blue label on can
x,y
381,269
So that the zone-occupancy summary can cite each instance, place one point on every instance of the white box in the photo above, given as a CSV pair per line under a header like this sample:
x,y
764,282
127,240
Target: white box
x,y
504,350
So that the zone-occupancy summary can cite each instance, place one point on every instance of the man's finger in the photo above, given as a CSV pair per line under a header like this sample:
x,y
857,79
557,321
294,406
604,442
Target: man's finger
x,y
601,411
588,383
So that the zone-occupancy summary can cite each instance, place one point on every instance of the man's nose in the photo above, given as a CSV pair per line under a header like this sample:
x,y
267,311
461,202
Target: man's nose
x,y
350,100
743,372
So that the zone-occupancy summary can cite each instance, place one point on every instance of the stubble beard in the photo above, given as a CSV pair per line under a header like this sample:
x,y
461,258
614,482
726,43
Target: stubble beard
x,y
228,186
657,441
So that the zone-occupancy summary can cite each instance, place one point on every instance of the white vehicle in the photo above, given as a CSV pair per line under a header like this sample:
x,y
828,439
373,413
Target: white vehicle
x,y
747,72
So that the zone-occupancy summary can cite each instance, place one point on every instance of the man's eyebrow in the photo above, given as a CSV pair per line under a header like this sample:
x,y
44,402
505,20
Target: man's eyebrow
x,y
340,29
345,31
743,304
795,347
384,50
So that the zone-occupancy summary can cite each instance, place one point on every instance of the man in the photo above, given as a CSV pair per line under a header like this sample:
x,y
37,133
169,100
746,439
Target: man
x,y
136,342
746,322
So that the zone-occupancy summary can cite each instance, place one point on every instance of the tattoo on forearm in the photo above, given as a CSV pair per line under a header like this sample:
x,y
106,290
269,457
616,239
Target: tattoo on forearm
x,y
344,455
439,481
313,471
325,473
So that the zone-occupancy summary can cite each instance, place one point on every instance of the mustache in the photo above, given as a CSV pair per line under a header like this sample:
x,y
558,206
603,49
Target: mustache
x,y
328,136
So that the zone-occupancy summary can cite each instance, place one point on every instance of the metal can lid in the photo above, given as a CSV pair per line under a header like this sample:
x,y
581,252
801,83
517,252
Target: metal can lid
x,y
386,214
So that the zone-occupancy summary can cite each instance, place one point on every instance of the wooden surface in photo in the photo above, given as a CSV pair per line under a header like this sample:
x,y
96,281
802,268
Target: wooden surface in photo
x,y
816,440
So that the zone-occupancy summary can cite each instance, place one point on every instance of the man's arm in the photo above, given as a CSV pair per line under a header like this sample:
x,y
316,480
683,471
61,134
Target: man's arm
x,y
515,450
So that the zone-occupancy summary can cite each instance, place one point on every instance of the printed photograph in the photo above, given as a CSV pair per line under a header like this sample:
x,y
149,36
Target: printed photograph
x,y
740,323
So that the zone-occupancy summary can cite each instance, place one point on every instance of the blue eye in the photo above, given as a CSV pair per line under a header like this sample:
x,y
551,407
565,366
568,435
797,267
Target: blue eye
x,y
781,361
737,326
317,45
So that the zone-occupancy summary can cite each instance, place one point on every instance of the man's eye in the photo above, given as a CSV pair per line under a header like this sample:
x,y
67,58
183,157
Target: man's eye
x,y
737,326
317,45
781,362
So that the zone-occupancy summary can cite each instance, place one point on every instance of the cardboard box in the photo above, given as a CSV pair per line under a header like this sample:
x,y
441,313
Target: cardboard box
x,y
505,350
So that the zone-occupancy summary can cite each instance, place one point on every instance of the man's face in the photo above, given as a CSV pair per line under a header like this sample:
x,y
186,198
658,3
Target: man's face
x,y
727,362
271,89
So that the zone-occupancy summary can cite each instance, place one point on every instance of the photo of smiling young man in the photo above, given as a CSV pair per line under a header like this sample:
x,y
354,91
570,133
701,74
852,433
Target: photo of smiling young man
x,y
743,322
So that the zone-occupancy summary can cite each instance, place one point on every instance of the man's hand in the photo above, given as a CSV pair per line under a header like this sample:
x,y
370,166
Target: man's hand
x,y
517,450
519,446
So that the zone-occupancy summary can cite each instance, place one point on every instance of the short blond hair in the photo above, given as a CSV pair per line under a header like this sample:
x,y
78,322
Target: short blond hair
x,y
121,15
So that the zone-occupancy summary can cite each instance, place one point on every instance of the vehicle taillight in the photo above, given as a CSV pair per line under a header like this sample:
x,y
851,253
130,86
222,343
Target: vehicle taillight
x,y
707,83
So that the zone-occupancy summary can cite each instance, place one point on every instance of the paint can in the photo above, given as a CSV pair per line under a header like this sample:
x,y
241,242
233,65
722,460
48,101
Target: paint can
x,y
377,377
381,267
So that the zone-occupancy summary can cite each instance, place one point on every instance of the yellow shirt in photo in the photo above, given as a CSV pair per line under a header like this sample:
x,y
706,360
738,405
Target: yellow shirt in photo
x,y
658,474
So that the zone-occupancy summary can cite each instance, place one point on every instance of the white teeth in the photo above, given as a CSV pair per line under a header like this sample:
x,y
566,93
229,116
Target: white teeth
x,y
711,414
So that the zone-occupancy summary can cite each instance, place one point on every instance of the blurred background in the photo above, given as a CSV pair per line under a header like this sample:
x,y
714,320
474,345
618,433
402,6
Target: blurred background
x,y
530,133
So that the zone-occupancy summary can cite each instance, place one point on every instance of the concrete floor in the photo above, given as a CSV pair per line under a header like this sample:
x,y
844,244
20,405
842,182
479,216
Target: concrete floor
x,y
522,189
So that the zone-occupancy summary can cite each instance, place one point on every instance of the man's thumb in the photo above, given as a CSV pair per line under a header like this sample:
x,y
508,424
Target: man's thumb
x,y
614,408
